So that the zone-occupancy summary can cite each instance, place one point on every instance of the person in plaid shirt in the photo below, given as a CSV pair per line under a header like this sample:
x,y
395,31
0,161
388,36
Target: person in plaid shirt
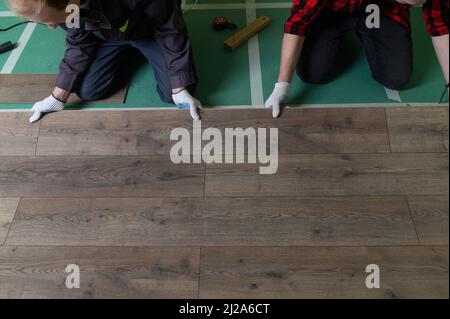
x,y
436,15
315,31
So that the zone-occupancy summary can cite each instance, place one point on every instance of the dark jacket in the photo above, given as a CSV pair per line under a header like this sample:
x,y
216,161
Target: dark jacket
x,y
122,20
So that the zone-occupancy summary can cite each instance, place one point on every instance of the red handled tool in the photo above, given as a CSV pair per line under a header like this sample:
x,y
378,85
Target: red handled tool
x,y
221,23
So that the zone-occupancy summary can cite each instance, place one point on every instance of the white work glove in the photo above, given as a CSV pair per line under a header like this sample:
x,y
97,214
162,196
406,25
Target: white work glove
x,y
412,2
279,96
50,104
184,100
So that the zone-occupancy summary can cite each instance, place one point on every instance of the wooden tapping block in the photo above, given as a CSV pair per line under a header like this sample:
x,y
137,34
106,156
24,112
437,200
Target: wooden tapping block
x,y
30,88
246,33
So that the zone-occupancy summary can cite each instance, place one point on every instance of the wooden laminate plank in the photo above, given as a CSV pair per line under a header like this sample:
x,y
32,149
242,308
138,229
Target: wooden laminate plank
x,y
8,208
225,221
17,136
302,131
38,87
418,129
40,272
335,175
153,176
110,133
306,272
148,133
430,215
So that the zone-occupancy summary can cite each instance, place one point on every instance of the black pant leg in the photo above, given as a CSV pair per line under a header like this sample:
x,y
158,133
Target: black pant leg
x,y
389,52
322,44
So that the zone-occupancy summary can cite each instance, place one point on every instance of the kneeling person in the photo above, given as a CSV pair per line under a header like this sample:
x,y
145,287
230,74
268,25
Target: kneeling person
x,y
96,50
315,31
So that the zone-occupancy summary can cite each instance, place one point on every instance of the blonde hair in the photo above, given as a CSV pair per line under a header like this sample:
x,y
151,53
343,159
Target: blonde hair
x,y
33,8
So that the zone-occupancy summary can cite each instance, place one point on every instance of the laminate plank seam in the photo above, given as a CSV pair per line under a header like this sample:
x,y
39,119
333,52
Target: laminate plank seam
x,y
226,247
204,182
230,197
412,217
199,272
388,130
281,154
296,196
246,107
12,222
37,140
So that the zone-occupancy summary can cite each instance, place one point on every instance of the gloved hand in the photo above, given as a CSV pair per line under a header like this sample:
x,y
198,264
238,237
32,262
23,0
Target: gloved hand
x,y
184,100
279,96
50,104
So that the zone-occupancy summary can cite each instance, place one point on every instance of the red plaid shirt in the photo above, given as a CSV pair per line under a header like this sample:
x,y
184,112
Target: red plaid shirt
x,y
304,13
435,13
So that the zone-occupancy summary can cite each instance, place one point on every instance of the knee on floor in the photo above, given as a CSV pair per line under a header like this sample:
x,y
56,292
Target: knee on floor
x,y
95,92
89,94
311,77
393,80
